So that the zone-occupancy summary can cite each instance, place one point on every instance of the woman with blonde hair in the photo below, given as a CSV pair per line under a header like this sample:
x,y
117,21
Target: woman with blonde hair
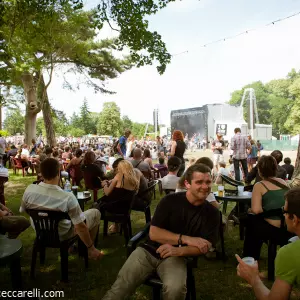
x,y
119,192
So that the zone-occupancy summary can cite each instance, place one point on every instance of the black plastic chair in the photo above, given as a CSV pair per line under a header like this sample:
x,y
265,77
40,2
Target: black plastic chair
x,y
46,227
147,197
231,181
281,239
168,191
154,281
120,218
273,244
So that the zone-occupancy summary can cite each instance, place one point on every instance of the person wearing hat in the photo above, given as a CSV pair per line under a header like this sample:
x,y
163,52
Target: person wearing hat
x,y
218,146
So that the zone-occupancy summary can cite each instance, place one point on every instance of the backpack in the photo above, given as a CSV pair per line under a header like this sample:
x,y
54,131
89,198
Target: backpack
x,y
115,145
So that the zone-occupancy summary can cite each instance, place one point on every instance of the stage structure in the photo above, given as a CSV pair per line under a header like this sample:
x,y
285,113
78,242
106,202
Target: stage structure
x,y
207,120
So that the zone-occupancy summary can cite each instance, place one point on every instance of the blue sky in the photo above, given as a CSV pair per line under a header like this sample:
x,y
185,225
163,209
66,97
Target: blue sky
x,y
203,75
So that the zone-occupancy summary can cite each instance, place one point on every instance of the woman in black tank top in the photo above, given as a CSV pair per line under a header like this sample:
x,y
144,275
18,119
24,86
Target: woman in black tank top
x,y
178,148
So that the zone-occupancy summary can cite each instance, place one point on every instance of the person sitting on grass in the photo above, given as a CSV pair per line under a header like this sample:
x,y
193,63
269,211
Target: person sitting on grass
x,y
48,195
184,224
287,263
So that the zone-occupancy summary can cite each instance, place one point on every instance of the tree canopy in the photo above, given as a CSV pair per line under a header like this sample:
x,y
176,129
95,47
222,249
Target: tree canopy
x,y
278,103
37,36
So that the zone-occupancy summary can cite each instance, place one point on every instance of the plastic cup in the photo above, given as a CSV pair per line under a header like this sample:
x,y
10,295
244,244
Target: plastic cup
x,y
221,191
249,261
75,190
240,190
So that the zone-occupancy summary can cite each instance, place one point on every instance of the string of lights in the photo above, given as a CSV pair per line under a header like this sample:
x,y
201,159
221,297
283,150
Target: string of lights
x,y
242,33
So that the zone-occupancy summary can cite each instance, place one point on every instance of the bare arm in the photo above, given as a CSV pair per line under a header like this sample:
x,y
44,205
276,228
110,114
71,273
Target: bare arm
x,y
173,148
163,236
256,201
4,208
280,290
108,189
119,149
84,234
189,251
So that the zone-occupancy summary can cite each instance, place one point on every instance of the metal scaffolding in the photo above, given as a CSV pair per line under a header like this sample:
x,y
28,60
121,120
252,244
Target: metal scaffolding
x,y
249,97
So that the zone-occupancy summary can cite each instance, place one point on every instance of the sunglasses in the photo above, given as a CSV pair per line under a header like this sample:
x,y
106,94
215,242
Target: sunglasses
x,y
284,211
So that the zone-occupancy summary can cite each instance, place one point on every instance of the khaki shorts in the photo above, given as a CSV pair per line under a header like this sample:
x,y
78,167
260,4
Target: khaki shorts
x,y
218,158
92,219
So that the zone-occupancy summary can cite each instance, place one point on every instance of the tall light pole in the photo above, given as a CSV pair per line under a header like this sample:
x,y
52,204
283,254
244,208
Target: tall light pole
x,y
249,95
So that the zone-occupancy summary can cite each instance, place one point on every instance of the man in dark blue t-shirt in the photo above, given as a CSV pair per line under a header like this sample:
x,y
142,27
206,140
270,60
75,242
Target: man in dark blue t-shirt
x,y
122,143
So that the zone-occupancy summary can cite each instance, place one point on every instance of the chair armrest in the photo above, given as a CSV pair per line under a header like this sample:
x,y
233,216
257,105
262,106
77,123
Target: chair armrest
x,y
133,242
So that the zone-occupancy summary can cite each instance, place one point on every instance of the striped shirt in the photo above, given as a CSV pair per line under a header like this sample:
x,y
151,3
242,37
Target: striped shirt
x,y
239,144
51,197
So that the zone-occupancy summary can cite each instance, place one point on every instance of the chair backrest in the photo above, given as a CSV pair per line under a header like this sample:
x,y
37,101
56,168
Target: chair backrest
x,y
163,172
12,162
169,192
147,194
46,225
147,174
277,212
17,163
88,180
231,181
75,171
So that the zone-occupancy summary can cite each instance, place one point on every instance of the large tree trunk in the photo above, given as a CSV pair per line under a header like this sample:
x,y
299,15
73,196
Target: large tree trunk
x,y
32,107
46,108
297,164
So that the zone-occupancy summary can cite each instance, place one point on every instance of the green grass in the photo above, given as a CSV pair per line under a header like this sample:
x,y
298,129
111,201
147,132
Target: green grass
x,y
214,279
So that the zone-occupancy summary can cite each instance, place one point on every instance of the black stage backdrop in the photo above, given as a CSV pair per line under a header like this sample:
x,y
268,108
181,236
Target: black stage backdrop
x,y
190,120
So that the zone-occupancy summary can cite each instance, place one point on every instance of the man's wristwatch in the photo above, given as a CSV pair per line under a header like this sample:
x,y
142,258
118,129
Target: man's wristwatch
x,y
180,240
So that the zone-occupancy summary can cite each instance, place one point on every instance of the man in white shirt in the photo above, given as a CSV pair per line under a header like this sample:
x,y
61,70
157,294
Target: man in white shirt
x,y
25,152
48,195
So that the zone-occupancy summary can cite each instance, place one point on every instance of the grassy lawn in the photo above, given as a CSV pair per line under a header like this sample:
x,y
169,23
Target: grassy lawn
x,y
214,279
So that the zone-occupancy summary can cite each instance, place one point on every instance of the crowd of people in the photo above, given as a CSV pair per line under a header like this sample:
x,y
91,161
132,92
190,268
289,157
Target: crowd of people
x,y
187,219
